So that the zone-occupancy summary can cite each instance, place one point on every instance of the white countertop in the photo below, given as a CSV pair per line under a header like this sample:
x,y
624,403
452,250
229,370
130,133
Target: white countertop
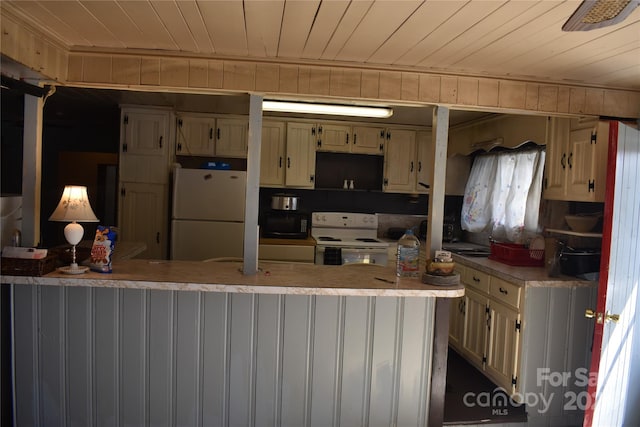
x,y
272,278
522,276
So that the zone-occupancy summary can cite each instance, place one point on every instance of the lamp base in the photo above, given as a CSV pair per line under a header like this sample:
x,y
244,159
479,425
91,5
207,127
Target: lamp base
x,y
70,269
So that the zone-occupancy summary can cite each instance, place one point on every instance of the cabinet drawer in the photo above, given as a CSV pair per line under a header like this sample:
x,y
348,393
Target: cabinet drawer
x,y
505,292
476,279
287,253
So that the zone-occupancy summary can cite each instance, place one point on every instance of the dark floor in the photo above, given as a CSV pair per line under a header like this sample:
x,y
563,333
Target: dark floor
x,y
471,398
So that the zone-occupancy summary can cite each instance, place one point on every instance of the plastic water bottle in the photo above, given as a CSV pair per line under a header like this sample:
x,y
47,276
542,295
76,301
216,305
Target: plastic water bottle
x,y
407,261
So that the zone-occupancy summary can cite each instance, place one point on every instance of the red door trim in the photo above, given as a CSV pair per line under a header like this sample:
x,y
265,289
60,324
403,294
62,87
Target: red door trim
x,y
607,226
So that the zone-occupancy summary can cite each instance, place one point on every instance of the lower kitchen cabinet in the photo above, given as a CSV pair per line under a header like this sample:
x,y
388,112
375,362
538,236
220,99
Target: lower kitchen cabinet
x,y
502,345
456,316
512,331
474,341
143,217
287,253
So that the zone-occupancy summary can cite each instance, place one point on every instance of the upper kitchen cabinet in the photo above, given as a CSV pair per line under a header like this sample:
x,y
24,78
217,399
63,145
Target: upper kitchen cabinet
x,y
333,137
231,137
509,131
408,164
400,161
368,140
207,135
357,139
576,160
272,154
424,157
301,155
145,138
194,135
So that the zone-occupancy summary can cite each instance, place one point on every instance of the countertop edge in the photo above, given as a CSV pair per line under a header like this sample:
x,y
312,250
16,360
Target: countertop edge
x,y
225,277
522,276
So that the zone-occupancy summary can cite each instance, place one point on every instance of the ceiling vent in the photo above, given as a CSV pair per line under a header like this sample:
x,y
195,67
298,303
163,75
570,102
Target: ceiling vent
x,y
592,14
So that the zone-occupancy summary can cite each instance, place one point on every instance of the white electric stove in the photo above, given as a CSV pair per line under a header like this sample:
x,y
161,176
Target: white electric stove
x,y
345,238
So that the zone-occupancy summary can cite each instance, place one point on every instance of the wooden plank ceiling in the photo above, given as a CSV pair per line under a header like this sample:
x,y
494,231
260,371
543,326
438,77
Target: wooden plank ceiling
x,y
515,39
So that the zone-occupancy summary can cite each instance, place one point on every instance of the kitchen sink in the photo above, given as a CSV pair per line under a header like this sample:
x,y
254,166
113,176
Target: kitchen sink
x,y
469,251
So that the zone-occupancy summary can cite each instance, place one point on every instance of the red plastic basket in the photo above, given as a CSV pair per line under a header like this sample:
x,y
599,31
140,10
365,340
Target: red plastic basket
x,y
516,255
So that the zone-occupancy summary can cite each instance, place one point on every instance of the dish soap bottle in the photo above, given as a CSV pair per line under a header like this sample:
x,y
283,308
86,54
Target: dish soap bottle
x,y
407,260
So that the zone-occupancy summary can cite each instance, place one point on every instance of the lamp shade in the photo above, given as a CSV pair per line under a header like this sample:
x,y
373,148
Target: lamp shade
x,y
74,206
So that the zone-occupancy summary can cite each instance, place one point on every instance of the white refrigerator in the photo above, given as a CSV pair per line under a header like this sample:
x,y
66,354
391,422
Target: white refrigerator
x,y
207,214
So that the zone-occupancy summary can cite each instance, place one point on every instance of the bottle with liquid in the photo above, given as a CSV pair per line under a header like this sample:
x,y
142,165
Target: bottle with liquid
x,y
407,261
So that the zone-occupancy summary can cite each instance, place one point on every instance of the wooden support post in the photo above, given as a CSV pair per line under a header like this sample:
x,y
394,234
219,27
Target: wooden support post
x,y
251,230
31,169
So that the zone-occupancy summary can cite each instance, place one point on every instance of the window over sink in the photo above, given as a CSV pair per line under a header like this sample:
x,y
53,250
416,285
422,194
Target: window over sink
x,y
503,193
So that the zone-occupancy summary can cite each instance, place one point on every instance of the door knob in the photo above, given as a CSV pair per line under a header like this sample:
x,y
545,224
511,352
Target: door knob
x,y
601,317
611,317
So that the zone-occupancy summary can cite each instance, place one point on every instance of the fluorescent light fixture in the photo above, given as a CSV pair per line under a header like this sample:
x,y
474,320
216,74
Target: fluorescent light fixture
x,y
592,14
331,109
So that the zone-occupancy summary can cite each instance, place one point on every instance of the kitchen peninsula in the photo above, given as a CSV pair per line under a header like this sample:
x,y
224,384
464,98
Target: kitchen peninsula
x,y
188,343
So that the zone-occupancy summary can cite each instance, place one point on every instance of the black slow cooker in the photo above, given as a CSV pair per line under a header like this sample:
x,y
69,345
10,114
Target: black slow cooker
x,y
579,261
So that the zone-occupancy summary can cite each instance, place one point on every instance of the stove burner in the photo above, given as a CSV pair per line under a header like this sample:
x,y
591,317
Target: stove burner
x,y
366,239
329,239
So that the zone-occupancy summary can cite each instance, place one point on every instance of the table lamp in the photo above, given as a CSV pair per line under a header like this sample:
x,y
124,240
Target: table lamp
x,y
74,207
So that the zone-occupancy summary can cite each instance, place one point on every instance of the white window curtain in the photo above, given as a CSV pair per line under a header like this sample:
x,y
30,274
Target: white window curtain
x,y
503,193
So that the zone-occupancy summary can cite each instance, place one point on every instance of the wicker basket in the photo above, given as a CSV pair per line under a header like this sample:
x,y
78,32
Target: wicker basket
x,y
28,267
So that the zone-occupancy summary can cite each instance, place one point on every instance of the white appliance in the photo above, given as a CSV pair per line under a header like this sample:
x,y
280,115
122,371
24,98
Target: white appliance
x,y
10,218
344,238
208,214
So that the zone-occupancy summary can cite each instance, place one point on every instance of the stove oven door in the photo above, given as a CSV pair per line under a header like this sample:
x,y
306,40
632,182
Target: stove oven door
x,y
377,256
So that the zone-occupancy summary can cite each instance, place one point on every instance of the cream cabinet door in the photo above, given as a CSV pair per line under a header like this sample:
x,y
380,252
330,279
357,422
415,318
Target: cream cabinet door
x,y
232,137
144,145
301,155
475,327
587,163
424,157
143,217
194,135
556,158
272,154
456,322
503,345
368,140
400,161
334,138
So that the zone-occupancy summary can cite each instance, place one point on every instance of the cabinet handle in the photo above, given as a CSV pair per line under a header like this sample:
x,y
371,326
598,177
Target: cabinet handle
x,y
288,162
488,320
311,178
280,162
419,166
475,279
562,160
503,290
354,141
411,170
354,138
160,142
158,237
218,133
210,133
570,161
